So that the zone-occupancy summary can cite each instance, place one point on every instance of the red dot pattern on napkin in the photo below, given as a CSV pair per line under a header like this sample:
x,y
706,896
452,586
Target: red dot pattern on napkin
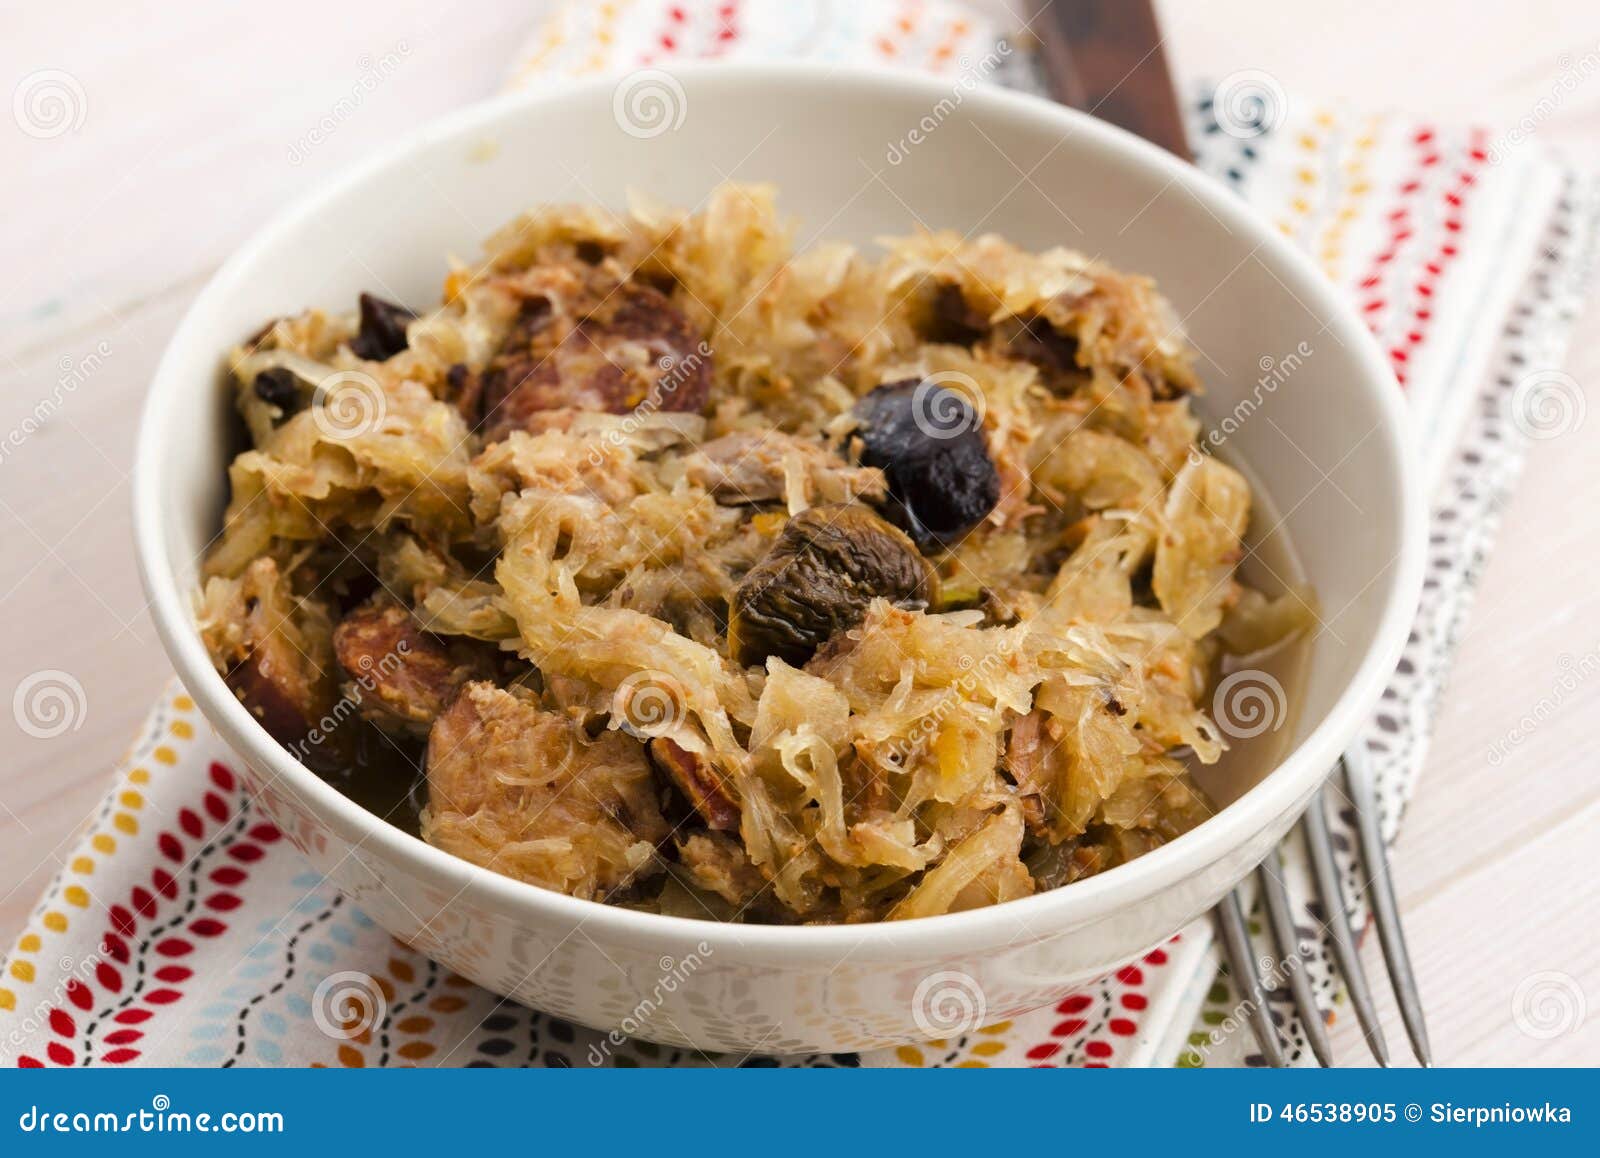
x,y
1093,1024
150,918
1410,306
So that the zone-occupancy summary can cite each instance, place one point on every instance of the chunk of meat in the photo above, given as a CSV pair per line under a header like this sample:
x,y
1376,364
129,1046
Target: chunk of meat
x,y
273,648
270,681
703,786
627,349
528,793
719,865
402,674
749,467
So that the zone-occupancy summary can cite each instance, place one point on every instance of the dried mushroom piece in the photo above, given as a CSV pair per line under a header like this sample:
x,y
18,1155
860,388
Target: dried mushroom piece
x,y
928,441
818,579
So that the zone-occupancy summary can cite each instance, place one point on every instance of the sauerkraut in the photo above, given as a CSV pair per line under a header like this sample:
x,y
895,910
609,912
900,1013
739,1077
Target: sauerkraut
x,y
691,574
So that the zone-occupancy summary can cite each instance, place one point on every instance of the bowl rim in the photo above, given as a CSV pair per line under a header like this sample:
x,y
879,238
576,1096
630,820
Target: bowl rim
x,y
1026,919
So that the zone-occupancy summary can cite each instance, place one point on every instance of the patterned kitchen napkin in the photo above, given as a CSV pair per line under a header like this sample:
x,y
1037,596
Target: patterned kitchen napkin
x,y
184,930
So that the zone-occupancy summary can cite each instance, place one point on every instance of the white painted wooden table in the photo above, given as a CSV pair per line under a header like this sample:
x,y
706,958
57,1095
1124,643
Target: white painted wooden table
x,y
199,122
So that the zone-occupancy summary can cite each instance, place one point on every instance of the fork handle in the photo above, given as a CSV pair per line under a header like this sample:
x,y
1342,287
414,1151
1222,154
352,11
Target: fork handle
x,y
1106,57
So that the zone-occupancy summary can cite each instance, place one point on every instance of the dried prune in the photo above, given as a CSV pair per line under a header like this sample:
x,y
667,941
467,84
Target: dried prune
x,y
952,320
1036,340
928,441
383,329
828,564
279,386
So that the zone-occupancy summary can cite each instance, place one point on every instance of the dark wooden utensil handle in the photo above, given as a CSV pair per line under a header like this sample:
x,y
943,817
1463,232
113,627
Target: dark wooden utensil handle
x,y
1106,57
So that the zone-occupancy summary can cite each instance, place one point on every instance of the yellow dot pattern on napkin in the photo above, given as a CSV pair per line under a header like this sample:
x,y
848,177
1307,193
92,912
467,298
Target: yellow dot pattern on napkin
x,y
69,890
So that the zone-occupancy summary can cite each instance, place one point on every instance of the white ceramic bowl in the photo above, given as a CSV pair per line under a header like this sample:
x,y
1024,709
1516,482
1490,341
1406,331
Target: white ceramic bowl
x,y
856,156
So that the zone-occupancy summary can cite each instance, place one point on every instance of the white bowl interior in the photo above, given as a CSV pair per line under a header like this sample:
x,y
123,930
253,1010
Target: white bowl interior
x,y
1324,443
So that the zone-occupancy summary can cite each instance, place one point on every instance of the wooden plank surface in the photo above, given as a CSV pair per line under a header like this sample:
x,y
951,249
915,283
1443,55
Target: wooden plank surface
x,y
197,124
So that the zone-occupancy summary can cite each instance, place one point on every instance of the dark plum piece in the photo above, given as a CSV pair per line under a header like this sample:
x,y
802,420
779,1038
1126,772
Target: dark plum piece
x,y
952,320
928,441
279,386
1037,341
828,564
383,329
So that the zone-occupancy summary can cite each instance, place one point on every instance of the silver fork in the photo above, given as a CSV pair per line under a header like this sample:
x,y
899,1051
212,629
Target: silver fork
x,y
1235,933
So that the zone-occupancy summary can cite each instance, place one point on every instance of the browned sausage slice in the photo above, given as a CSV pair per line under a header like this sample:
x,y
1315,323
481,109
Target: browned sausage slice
x,y
271,665
631,348
697,778
400,670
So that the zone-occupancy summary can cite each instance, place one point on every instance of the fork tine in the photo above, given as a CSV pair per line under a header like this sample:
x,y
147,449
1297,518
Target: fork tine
x,y
1385,911
1344,941
1305,1002
1242,967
